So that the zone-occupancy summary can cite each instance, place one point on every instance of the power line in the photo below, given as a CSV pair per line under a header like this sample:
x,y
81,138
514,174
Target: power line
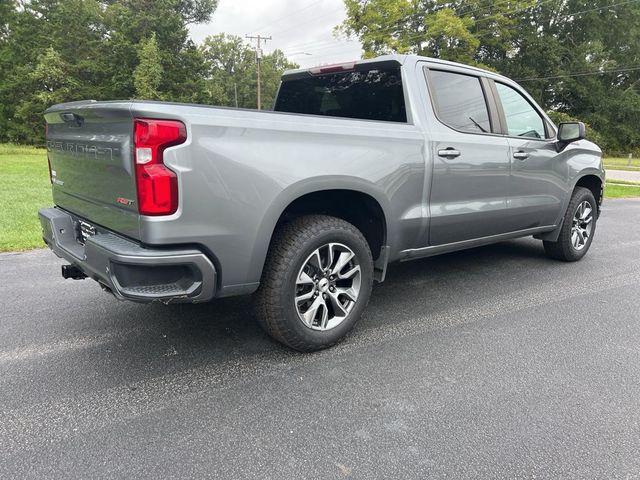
x,y
328,45
485,8
480,9
597,9
296,27
421,35
507,13
382,31
313,44
288,15
581,74
517,10
302,46
462,13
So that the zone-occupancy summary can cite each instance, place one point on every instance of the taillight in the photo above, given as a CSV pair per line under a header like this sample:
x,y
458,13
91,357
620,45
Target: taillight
x,y
50,172
157,185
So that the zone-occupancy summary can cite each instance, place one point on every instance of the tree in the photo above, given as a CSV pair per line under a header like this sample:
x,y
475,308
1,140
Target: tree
x,y
129,22
148,74
37,33
100,52
231,72
455,30
572,55
229,67
49,83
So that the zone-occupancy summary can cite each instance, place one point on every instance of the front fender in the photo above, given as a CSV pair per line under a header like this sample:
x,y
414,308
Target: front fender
x,y
554,234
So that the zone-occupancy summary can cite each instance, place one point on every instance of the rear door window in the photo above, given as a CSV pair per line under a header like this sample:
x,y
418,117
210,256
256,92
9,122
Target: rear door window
x,y
375,94
459,101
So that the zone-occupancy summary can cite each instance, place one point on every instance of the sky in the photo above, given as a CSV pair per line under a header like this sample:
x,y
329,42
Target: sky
x,y
302,29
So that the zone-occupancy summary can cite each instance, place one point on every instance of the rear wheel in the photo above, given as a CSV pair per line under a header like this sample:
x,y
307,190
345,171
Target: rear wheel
x,y
316,282
578,228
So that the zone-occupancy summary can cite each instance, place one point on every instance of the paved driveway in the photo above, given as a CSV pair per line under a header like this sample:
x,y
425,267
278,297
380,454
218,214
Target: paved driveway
x,y
493,362
625,175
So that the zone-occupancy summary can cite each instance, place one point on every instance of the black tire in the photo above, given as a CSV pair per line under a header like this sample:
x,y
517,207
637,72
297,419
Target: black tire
x,y
563,249
292,245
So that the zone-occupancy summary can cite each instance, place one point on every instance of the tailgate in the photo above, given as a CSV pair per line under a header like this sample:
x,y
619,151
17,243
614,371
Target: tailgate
x,y
90,150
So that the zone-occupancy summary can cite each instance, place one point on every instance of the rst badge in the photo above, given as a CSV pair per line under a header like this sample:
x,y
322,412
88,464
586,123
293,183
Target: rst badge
x,y
124,201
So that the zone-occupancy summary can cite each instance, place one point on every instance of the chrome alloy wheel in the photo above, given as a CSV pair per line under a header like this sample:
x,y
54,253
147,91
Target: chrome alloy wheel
x,y
582,225
327,286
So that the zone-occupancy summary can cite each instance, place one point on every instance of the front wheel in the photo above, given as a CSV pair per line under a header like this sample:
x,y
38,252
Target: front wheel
x,y
578,228
316,282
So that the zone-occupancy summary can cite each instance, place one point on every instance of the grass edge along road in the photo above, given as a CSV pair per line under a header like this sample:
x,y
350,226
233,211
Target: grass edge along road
x,y
26,188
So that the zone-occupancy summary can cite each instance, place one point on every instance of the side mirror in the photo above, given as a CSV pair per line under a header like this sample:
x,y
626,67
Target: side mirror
x,y
569,132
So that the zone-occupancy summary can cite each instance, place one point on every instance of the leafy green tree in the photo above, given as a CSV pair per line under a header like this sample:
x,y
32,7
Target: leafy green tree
x,y
229,71
99,50
129,22
34,31
148,74
49,83
456,30
572,55
7,61
450,36
231,76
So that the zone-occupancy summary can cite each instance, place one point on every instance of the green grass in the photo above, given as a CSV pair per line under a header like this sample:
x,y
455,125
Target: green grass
x,y
621,189
623,182
13,149
622,164
25,189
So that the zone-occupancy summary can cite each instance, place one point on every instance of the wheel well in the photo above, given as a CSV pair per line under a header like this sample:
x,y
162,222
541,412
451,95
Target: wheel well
x,y
357,208
594,184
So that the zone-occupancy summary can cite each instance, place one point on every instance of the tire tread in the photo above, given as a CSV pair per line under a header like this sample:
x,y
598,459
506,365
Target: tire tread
x,y
562,249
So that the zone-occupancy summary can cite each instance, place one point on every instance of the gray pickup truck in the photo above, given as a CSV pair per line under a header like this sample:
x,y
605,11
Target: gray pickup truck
x,y
359,165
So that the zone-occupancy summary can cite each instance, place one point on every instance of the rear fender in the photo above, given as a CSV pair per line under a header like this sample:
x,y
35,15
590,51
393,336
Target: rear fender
x,y
304,187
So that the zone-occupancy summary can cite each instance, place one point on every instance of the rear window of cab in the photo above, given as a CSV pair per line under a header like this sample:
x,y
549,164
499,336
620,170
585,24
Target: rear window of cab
x,y
375,94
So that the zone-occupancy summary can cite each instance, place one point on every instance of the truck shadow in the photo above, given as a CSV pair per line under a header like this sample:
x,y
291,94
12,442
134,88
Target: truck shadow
x,y
156,340
228,324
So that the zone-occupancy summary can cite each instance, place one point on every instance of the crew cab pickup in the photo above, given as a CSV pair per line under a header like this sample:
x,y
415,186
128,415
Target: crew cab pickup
x,y
358,165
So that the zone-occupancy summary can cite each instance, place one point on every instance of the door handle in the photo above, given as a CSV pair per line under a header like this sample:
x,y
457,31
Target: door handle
x,y
521,155
448,152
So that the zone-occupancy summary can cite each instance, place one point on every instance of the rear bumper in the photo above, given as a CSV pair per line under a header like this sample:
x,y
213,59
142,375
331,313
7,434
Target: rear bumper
x,y
128,270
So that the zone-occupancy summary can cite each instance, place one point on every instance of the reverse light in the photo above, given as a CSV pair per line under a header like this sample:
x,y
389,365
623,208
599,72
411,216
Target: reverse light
x,y
157,185
50,171
46,135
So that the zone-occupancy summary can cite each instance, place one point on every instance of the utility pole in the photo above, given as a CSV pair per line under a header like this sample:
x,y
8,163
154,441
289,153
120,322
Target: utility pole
x,y
259,39
235,92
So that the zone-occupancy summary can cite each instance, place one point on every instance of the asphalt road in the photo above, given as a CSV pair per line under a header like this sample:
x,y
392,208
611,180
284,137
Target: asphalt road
x,y
489,363
625,175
